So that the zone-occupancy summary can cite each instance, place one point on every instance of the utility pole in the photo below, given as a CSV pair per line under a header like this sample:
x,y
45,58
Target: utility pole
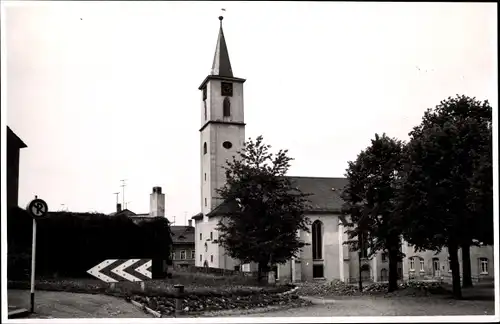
x,y
123,191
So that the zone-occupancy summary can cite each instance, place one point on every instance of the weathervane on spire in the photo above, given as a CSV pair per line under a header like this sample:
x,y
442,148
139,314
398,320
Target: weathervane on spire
x,y
221,17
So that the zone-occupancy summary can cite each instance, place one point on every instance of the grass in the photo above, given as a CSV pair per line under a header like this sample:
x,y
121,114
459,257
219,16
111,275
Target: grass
x,y
198,284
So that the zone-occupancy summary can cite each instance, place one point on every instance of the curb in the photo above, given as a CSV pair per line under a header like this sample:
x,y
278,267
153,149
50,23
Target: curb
x,y
318,301
146,308
19,312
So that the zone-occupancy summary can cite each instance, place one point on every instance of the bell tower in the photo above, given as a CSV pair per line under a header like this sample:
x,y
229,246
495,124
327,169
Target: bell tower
x,y
222,131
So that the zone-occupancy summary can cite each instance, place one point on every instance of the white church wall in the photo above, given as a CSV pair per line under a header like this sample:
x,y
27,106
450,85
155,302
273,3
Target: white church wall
x,y
330,261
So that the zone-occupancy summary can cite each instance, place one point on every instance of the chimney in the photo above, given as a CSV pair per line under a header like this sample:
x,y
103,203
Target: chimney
x,y
118,208
190,222
157,203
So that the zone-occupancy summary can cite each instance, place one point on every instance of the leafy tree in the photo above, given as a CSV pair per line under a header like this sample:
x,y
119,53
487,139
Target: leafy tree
x,y
445,194
370,200
269,210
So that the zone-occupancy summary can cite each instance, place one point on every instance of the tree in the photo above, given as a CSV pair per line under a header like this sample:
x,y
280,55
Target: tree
x,y
267,210
370,200
444,195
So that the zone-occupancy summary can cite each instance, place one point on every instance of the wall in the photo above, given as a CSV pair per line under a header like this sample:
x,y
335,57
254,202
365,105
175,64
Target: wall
x,y
330,249
14,145
189,261
442,257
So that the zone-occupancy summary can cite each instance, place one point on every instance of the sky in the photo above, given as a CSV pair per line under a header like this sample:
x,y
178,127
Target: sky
x,y
105,91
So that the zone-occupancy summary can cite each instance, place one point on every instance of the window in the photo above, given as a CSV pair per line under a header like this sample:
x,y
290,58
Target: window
x,y
211,236
422,265
204,93
183,255
201,237
227,145
483,265
206,247
205,176
193,254
226,107
173,255
211,259
435,264
205,107
412,264
205,202
204,148
201,257
317,243
384,257
449,264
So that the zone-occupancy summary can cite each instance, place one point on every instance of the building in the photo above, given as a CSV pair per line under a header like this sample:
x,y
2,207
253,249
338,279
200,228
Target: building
x,y
156,207
183,250
222,134
14,146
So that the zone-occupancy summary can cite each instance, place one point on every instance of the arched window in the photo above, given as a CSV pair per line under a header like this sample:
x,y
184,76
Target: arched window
x,y
205,148
317,240
226,107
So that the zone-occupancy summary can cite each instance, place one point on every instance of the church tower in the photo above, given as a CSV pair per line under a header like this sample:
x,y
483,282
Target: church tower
x,y
222,131
222,135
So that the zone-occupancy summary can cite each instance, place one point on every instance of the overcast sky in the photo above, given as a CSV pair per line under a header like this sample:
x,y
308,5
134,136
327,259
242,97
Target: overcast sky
x,y
107,91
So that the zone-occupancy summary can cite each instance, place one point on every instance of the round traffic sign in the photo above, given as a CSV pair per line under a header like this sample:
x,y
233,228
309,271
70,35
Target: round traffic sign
x,y
38,208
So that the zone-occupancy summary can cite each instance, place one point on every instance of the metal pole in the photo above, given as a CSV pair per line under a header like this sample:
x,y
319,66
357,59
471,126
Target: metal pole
x,y
33,257
179,293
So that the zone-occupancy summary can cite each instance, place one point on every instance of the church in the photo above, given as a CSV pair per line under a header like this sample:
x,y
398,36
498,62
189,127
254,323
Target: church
x,y
222,134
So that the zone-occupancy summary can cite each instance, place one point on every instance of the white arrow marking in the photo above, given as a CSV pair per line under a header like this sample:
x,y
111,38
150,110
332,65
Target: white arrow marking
x,y
119,270
95,271
143,269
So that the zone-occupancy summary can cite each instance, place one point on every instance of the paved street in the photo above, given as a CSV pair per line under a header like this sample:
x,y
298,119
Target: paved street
x,y
397,306
50,304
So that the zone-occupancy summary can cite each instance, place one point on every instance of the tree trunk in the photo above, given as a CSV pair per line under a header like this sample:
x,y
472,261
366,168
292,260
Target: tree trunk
x,y
455,270
466,268
259,272
360,280
393,269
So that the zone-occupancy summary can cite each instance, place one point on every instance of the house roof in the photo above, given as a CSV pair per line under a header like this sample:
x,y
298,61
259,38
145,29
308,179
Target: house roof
x,y
324,195
13,138
182,234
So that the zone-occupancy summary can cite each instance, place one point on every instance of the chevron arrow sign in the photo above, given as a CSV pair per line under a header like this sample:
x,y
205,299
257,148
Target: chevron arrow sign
x,y
114,270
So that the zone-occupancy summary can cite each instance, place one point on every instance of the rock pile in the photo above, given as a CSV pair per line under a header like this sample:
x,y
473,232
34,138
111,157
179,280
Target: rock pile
x,y
339,288
193,304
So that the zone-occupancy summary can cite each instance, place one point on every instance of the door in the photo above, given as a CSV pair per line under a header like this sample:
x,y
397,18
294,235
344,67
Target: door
x,y
435,267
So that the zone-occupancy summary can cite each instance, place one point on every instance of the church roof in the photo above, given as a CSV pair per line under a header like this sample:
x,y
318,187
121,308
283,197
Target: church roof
x,y
324,195
221,65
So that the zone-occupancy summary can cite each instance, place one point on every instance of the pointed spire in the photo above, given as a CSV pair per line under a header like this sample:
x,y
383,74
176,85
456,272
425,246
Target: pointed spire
x,y
221,65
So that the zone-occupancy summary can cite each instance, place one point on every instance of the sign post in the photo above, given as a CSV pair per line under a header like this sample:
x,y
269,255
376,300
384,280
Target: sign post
x,y
37,208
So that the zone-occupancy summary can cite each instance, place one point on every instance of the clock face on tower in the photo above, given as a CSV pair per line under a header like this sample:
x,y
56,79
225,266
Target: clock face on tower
x,y
227,89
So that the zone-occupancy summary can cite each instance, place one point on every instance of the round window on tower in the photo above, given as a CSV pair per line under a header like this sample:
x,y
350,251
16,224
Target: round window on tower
x,y
227,145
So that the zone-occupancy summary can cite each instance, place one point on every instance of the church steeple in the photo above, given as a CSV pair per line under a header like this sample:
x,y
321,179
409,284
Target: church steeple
x,y
221,65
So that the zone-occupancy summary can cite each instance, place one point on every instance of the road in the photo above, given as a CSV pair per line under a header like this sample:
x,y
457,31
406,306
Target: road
x,y
51,304
71,305
397,306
